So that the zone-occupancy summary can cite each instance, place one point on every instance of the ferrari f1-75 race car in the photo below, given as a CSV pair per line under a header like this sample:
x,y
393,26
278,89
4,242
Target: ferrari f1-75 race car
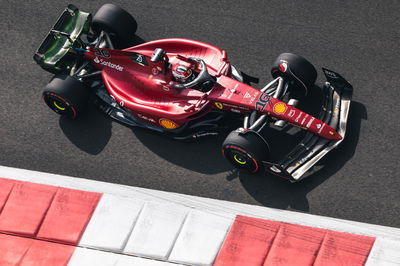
x,y
185,88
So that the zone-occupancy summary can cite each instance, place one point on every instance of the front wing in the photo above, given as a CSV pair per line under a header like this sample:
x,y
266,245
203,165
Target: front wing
x,y
335,109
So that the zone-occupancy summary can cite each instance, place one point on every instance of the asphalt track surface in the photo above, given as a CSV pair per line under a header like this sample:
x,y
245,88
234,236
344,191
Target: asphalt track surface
x,y
359,39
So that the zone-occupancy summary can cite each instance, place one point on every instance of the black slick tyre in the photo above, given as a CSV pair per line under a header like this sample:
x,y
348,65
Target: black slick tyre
x,y
297,69
66,96
245,151
117,22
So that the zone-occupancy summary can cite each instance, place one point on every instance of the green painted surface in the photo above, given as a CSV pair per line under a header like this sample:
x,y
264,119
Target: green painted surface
x,y
55,47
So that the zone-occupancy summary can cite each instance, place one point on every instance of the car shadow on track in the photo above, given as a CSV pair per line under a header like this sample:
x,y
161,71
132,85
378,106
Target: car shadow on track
x,y
202,156
275,192
90,132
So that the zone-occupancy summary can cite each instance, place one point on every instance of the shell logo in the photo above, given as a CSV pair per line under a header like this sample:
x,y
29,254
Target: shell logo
x,y
168,124
279,108
219,105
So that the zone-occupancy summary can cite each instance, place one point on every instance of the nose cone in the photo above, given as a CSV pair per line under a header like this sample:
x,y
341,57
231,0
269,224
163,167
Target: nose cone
x,y
332,135
336,136
329,133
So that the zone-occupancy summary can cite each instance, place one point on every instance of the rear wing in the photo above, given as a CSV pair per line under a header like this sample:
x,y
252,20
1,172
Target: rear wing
x,y
335,109
52,54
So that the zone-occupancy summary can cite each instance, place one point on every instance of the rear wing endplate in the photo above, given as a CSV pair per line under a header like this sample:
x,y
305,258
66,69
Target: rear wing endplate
x,y
62,36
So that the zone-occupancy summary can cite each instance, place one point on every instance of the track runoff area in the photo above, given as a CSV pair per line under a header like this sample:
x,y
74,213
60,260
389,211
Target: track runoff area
x,y
48,219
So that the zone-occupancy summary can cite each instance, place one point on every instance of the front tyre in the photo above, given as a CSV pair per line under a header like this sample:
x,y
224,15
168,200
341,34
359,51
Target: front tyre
x,y
245,150
66,96
296,69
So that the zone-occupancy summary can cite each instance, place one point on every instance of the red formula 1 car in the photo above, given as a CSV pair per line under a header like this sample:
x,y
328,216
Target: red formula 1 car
x,y
185,88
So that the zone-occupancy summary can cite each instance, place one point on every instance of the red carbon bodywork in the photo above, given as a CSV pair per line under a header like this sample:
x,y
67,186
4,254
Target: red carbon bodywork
x,y
143,87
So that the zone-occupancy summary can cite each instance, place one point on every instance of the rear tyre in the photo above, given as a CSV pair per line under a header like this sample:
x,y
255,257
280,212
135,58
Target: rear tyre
x,y
66,96
298,70
245,151
117,22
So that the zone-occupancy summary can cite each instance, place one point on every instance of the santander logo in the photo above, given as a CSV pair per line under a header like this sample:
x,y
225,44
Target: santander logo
x,y
108,64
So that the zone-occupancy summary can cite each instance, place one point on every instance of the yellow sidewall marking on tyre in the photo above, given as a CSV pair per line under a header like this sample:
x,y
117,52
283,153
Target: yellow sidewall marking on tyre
x,y
58,107
238,160
279,108
168,124
219,105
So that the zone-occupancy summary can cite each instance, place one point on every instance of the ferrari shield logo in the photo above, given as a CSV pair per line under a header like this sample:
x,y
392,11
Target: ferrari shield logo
x,y
219,105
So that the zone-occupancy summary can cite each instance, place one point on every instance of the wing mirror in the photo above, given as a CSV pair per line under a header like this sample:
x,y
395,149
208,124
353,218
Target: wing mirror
x,y
158,55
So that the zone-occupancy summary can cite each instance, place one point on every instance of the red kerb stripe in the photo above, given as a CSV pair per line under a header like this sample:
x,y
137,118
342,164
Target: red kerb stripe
x,y
255,242
68,215
25,208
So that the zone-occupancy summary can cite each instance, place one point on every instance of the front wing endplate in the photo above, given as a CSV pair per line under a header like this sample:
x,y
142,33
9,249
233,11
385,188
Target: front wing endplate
x,y
335,109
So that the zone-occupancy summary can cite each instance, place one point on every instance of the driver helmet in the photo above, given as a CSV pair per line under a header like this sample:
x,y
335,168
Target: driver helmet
x,y
182,73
